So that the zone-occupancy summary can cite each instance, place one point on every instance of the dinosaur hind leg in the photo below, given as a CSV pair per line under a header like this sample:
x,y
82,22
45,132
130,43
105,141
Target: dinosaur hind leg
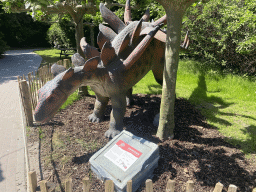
x,y
99,109
158,72
129,99
159,59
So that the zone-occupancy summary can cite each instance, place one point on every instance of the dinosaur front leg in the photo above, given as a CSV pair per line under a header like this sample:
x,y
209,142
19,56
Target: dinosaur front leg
x,y
116,117
99,109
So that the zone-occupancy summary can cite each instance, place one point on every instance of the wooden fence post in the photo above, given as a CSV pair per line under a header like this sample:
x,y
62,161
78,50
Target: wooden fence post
x,y
68,185
32,181
149,185
232,188
109,186
26,102
129,186
59,62
218,187
43,186
190,186
66,63
86,184
170,187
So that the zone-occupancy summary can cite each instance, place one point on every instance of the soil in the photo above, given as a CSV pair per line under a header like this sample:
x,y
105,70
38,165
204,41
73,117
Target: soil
x,y
198,151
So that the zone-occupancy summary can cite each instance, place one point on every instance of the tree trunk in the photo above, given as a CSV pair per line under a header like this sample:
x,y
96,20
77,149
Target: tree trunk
x,y
79,35
166,120
82,91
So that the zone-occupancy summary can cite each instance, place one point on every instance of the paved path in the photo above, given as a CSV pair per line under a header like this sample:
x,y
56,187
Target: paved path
x,y
12,154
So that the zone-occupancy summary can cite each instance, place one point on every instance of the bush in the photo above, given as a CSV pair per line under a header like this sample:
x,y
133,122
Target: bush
x,y
3,46
223,32
20,30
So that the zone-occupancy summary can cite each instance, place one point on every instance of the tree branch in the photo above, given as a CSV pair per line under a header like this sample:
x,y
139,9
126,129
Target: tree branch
x,y
109,5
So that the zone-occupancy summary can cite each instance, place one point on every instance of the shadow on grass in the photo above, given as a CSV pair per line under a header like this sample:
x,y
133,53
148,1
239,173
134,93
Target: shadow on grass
x,y
154,89
211,106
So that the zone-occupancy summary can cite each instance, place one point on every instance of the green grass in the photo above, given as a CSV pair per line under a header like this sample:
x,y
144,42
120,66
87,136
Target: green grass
x,y
227,101
50,55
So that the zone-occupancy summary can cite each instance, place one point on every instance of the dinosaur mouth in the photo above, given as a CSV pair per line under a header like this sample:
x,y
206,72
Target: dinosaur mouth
x,y
45,111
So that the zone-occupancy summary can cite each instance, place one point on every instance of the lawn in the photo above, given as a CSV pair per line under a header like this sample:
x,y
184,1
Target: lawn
x,y
227,101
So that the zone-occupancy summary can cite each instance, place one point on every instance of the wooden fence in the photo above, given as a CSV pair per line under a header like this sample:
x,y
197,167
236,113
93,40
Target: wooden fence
x,y
109,185
29,88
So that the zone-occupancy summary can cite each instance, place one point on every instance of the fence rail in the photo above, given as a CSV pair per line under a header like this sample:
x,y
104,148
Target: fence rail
x,y
29,87
109,185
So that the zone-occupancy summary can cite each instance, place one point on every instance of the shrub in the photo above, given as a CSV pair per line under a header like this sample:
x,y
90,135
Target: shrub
x,y
20,30
223,32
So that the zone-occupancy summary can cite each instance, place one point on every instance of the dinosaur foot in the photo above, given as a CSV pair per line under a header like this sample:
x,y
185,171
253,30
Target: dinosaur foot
x,y
111,133
93,118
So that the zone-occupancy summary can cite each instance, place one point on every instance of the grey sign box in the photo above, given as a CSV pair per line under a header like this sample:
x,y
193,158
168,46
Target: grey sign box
x,y
138,172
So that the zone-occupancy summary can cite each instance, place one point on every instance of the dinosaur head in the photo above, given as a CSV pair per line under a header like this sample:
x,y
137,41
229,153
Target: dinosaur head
x,y
51,96
55,92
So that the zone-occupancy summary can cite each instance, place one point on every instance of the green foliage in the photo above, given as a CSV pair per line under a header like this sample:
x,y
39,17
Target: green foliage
x,y
223,33
20,30
62,32
3,45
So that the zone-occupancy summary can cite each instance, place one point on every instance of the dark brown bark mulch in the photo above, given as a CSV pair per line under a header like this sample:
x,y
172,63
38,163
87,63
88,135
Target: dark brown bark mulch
x,y
198,151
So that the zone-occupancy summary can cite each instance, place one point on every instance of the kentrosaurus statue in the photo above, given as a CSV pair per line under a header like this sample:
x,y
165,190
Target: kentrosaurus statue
x,y
128,53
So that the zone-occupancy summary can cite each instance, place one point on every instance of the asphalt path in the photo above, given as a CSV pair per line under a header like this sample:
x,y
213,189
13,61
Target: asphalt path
x,y
13,167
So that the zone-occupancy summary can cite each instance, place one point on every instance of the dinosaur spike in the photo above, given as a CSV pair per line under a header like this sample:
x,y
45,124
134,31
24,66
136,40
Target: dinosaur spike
x,y
161,20
91,64
111,19
127,13
68,74
146,16
136,32
101,39
160,35
141,47
124,44
107,53
105,34
89,51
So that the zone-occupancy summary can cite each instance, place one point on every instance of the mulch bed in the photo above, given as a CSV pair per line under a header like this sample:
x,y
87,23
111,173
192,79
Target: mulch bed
x,y
198,151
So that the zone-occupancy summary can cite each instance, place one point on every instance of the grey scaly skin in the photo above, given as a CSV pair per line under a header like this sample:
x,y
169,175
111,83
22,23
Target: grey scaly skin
x,y
128,52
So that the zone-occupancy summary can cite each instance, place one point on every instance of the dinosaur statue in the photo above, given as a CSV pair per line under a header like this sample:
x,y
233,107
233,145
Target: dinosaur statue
x,y
128,53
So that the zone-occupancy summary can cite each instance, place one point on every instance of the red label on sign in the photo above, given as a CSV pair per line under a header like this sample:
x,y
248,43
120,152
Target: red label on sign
x,y
128,148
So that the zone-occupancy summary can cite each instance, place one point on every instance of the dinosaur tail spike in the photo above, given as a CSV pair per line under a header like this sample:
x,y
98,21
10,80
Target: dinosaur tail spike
x,y
136,32
108,53
111,19
146,16
89,51
160,35
185,44
161,20
127,13
141,47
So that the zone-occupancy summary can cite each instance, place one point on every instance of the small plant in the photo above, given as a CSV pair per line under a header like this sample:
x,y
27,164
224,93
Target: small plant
x,y
41,134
